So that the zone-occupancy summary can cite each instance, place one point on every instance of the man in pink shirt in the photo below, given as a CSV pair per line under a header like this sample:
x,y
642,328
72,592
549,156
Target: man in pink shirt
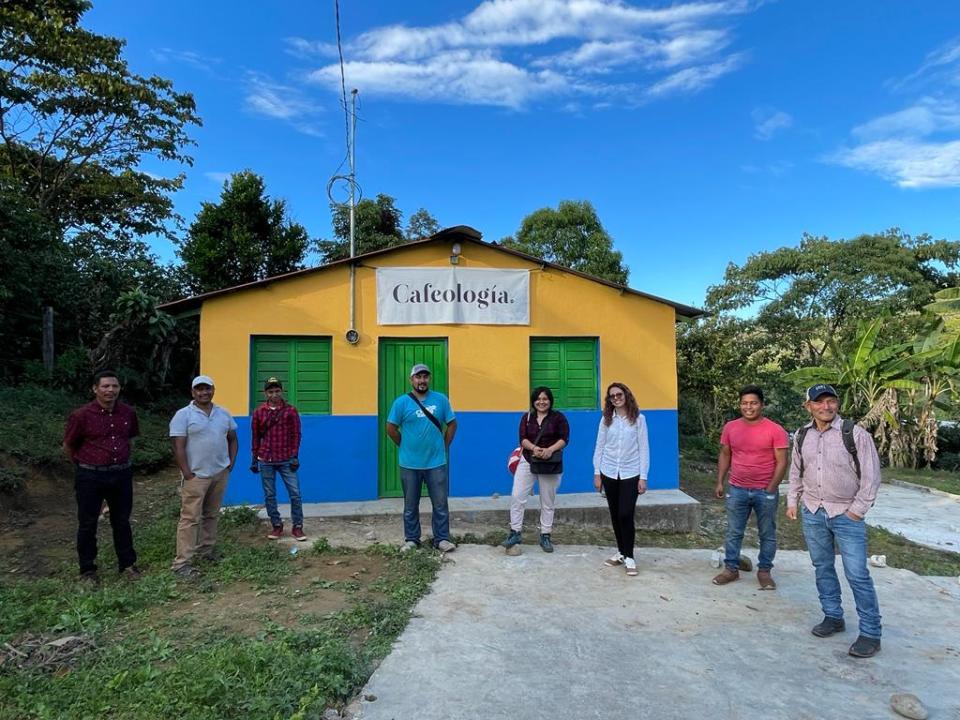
x,y
753,449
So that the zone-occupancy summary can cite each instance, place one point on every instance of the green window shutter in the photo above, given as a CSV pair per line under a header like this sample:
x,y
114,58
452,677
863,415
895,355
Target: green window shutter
x,y
568,366
302,364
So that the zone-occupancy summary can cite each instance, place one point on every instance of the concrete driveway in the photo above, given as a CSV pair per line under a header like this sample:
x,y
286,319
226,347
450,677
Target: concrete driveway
x,y
563,637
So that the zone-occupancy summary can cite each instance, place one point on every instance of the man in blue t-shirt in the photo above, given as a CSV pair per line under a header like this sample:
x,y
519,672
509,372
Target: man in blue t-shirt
x,y
422,424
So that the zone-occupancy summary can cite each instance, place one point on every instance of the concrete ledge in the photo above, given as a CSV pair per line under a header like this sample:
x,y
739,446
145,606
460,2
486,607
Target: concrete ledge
x,y
666,510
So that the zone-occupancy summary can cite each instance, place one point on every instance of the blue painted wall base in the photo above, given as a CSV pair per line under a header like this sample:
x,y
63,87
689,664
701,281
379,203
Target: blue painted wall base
x,y
338,456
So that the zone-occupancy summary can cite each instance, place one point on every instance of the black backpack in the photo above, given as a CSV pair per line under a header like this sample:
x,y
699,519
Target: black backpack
x,y
846,432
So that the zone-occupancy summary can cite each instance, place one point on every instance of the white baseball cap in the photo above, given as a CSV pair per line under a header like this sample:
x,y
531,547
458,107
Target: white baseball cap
x,y
202,380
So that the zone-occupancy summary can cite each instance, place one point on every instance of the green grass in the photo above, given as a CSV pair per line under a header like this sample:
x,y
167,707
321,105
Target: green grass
x,y
32,421
698,481
153,663
936,479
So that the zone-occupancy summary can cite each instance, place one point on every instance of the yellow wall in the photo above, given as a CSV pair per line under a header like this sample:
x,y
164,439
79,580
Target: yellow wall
x,y
488,365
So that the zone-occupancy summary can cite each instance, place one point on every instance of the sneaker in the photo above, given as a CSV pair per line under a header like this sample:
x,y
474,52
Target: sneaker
x,y
297,533
91,577
512,539
446,546
276,533
186,572
864,647
829,626
631,566
614,561
131,572
408,546
213,556
545,542
728,575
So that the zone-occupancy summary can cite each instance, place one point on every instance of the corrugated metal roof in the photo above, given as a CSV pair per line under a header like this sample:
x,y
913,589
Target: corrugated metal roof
x,y
459,233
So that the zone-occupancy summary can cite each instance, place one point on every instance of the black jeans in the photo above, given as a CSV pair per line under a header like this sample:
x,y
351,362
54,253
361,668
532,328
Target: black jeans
x,y
92,488
622,500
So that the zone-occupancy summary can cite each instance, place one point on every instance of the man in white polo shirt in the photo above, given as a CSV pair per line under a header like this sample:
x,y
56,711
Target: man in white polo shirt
x,y
204,439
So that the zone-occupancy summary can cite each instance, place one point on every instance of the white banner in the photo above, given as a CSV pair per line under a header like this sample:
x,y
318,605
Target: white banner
x,y
440,296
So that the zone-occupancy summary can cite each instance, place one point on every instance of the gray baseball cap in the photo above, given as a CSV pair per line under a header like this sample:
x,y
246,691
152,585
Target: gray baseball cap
x,y
419,368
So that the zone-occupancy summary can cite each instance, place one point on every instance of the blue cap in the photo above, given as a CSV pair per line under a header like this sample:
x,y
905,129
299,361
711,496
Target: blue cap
x,y
815,391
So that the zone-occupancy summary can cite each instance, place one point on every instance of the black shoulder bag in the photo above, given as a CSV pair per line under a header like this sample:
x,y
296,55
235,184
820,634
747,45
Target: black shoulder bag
x,y
429,415
553,466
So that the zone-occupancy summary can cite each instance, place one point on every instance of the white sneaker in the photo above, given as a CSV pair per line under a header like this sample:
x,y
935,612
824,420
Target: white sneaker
x,y
408,545
631,566
446,546
614,561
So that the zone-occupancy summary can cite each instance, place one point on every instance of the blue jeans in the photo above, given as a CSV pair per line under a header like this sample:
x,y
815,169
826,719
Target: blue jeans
x,y
268,474
850,536
438,488
740,501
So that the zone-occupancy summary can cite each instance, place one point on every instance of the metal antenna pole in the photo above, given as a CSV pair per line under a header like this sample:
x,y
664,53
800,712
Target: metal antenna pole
x,y
353,168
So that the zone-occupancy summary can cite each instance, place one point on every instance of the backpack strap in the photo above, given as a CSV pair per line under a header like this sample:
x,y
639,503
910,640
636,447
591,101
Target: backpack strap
x,y
846,432
849,444
801,434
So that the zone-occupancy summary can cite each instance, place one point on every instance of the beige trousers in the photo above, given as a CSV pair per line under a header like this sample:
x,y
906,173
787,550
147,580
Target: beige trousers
x,y
200,501
523,480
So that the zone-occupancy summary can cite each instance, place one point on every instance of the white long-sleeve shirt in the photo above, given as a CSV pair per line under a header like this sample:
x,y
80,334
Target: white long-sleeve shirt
x,y
622,450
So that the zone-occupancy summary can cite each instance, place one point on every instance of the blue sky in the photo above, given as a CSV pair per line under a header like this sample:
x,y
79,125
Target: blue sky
x,y
702,132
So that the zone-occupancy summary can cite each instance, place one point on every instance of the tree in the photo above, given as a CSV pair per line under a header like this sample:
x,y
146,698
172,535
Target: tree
x,y
422,224
807,296
377,226
245,237
76,124
571,236
76,127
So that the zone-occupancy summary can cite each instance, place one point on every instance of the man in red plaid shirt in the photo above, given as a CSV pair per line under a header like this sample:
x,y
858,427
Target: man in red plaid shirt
x,y
275,428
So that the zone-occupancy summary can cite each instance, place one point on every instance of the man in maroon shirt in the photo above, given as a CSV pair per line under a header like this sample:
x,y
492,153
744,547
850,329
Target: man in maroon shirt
x,y
98,440
275,430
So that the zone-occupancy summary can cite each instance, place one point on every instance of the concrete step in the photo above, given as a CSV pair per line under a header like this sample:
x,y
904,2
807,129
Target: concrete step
x,y
667,510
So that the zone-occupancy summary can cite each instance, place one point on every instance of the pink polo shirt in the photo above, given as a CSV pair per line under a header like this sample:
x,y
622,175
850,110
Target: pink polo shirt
x,y
752,445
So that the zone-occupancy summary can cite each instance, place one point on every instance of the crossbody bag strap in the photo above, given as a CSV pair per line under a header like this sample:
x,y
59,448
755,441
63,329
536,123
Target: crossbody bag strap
x,y
429,415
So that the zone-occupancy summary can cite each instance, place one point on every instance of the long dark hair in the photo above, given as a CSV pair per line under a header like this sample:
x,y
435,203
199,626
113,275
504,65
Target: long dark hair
x,y
629,401
536,393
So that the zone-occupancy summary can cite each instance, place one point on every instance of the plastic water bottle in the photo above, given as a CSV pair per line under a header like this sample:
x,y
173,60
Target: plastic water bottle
x,y
716,560
294,550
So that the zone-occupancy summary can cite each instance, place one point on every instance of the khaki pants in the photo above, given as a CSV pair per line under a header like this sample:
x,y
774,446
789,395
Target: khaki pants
x,y
523,480
200,500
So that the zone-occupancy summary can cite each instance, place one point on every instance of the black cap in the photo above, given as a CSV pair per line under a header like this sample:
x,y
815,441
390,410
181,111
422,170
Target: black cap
x,y
272,382
815,391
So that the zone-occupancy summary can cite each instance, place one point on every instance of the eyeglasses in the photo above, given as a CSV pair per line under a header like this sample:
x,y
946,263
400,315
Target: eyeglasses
x,y
615,396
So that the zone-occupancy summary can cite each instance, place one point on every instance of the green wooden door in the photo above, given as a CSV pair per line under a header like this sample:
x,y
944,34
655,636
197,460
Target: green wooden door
x,y
568,366
397,356
302,364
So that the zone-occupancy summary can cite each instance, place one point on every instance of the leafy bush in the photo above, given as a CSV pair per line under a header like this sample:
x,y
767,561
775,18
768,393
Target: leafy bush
x,y
949,461
32,420
11,480
698,447
238,516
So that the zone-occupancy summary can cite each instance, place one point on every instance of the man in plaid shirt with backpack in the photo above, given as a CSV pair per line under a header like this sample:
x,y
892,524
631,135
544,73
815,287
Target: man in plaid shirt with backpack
x,y
275,431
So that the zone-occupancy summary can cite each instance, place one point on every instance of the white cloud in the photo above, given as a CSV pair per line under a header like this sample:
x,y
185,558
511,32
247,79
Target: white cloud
x,y
218,177
769,121
926,117
283,102
510,53
918,146
303,48
186,57
694,79
908,163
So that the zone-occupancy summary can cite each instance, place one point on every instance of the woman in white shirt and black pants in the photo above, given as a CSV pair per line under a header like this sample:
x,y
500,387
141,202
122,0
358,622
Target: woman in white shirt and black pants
x,y
621,461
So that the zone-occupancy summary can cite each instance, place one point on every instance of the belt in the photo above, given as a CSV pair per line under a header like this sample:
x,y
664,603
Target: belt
x,y
104,468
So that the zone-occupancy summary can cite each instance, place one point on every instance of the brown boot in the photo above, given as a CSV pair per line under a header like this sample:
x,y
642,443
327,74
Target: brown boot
x,y
727,576
765,580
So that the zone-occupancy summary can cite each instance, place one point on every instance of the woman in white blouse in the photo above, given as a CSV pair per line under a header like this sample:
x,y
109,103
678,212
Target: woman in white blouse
x,y
621,461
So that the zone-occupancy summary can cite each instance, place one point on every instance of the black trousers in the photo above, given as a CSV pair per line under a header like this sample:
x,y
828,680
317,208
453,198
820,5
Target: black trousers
x,y
622,500
92,488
